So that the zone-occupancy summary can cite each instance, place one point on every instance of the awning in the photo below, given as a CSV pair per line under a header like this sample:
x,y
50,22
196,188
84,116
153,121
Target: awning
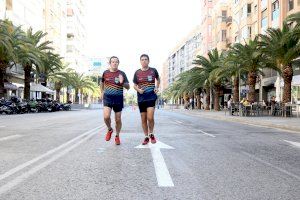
x,y
10,86
40,88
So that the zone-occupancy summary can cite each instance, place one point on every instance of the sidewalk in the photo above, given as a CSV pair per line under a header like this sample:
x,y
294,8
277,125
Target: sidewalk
x,y
290,124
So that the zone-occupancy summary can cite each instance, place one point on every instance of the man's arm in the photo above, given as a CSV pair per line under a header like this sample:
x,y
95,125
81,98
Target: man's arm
x,y
126,85
124,81
136,87
157,82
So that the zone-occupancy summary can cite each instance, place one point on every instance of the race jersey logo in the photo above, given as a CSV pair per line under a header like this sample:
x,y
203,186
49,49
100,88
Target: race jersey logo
x,y
150,78
117,80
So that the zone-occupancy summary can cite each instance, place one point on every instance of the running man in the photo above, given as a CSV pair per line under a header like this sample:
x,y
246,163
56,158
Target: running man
x,y
146,82
113,82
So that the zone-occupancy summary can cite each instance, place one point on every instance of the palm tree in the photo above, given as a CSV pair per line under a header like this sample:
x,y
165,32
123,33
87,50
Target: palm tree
x,y
283,48
61,79
207,66
52,63
80,82
9,37
32,54
231,69
252,60
294,18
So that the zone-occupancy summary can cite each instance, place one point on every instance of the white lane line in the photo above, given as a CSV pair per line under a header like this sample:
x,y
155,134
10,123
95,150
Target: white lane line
x,y
208,134
10,137
296,144
8,186
161,170
28,163
178,122
272,166
2,126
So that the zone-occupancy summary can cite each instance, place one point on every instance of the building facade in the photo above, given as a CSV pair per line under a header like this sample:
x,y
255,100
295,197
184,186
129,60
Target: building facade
x,y
182,56
76,36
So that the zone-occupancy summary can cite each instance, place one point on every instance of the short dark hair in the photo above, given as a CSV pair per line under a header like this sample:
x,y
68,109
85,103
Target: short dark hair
x,y
113,58
144,55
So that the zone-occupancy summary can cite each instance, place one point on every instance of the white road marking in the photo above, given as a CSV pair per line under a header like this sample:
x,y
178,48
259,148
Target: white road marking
x,y
272,166
28,163
296,144
178,122
162,173
10,137
208,134
8,186
2,126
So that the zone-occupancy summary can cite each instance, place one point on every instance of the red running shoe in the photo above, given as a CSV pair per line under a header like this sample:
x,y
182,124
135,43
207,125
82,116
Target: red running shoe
x,y
108,135
117,140
146,141
153,140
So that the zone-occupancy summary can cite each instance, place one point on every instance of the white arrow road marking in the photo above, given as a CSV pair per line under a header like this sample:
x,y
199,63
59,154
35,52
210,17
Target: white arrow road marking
x,y
208,134
10,137
296,144
162,173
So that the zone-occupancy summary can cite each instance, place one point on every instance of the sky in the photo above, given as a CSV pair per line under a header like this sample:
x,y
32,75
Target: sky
x,y
129,28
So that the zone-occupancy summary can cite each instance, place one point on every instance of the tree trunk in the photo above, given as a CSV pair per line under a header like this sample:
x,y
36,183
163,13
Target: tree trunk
x,y
57,95
236,90
76,96
2,72
198,101
68,97
58,86
27,70
217,88
287,76
251,82
207,107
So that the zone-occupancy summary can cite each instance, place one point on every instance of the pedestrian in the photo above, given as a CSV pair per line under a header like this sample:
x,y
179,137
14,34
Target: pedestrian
x,y
113,82
146,82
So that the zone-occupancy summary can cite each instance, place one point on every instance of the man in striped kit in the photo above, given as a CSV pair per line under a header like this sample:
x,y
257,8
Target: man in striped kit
x,y
146,82
113,82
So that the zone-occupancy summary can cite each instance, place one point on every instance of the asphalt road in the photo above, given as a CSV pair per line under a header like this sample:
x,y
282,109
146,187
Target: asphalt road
x,y
64,156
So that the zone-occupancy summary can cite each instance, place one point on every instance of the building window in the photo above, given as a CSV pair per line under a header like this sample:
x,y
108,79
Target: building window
x,y
224,15
275,10
249,31
291,4
264,21
264,4
223,35
249,5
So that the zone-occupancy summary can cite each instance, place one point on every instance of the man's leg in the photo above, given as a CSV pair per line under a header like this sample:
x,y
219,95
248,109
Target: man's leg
x,y
107,120
144,123
118,122
150,119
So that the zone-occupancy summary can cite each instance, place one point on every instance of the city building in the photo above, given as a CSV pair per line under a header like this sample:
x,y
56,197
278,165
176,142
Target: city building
x,y
182,56
76,36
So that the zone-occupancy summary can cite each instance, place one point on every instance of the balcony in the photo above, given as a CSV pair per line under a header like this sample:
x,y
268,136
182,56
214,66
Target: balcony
x,y
229,21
